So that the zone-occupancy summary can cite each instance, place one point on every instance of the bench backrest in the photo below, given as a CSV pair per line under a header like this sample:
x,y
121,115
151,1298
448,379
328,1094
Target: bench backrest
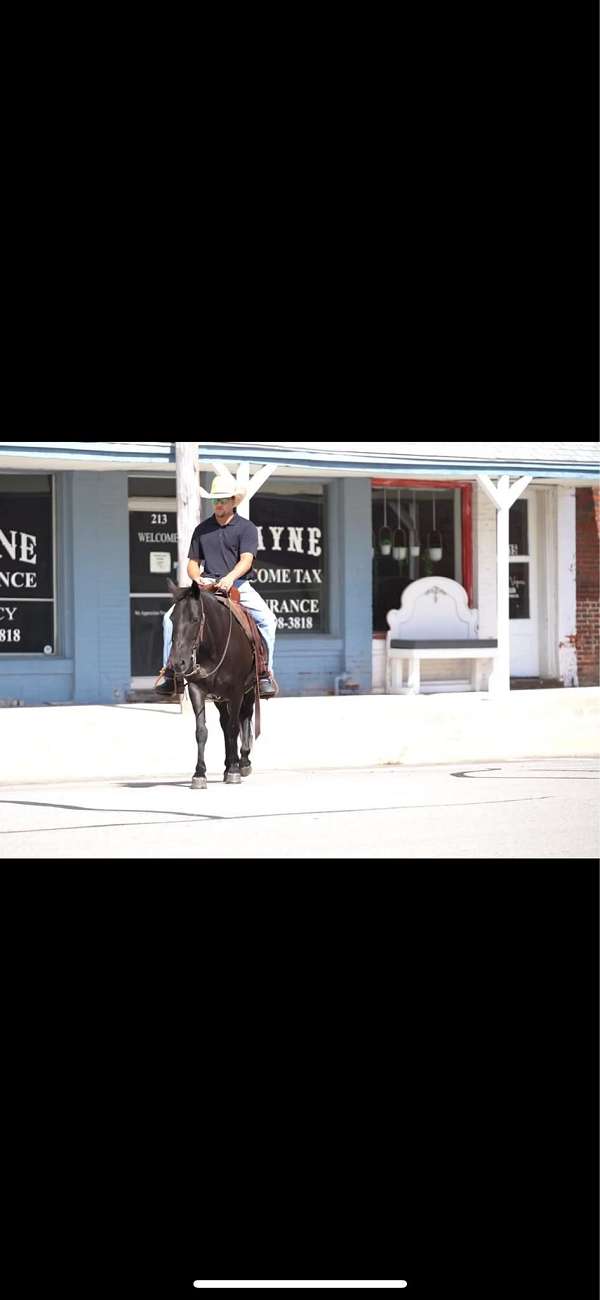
x,y
433,608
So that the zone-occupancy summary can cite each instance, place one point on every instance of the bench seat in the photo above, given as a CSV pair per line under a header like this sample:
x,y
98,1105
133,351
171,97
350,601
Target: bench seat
x,y
463,646
436,621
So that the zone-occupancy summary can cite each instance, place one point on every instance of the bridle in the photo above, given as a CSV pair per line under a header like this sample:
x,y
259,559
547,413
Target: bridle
x,y
196,669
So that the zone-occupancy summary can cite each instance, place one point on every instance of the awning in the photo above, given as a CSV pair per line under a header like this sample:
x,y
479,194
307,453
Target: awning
x,y
547,462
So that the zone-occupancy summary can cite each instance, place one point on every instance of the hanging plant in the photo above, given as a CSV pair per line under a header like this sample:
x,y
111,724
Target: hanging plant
x,y
415,545
385,533
434,541
400,547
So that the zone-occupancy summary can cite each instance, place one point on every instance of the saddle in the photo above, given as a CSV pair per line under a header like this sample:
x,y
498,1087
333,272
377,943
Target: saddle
x,y
247,624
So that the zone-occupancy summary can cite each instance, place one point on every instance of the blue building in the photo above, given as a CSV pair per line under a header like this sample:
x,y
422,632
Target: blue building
x,y
88,536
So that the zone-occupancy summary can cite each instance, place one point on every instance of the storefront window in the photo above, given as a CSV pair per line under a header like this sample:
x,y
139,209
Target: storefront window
x,y
413,536
518,544
291,562
518,528
152,487
27,616
518,590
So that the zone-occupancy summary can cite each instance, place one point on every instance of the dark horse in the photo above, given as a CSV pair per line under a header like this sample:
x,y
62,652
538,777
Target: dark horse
x,y
213,654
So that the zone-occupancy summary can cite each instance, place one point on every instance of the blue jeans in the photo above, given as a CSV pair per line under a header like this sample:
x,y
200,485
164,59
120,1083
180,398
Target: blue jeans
x,y
256,606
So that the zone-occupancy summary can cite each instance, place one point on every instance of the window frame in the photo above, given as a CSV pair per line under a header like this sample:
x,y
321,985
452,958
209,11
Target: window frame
x,y
466,500
288,635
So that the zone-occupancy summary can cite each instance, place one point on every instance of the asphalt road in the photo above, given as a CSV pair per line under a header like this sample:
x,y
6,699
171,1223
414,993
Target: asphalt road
x,y
538,808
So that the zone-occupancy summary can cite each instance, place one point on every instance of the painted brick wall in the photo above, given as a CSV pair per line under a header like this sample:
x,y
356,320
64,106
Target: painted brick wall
x,y
484,545
588,585
100,587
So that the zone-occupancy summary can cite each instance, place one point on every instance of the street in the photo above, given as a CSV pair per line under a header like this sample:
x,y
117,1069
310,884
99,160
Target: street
x,y
536,808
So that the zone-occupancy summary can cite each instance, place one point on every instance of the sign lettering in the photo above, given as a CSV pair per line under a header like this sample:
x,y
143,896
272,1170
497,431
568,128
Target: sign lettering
x,y
26,568
290,528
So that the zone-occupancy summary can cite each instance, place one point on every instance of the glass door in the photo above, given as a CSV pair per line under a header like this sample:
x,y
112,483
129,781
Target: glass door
x,y
152,559
523,605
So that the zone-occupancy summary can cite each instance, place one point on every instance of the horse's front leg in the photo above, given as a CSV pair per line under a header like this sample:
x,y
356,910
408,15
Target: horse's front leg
x,y
231,727
199,781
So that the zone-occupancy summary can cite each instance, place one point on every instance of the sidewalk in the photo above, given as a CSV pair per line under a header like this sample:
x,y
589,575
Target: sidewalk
x,y
102,742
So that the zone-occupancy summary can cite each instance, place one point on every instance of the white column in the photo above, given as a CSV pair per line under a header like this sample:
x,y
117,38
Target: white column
x,y
188,502
502,665
503,497
243,479
567,586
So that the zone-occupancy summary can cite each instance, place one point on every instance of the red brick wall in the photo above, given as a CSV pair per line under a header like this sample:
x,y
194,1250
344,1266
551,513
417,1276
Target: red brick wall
x,y
588,585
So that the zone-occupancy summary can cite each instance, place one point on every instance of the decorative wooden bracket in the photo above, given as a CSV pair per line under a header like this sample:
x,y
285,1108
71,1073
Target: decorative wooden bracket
x,y
246,484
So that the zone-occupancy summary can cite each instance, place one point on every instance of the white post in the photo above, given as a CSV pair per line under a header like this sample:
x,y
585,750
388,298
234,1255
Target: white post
x,y
502,664
567,586
188,502
243,478
503,497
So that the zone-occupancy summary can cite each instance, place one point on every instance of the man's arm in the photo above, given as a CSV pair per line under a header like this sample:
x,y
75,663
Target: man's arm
x,y
195,570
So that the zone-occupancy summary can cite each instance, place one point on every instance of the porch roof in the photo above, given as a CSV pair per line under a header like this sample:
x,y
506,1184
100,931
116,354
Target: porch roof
x,y
547,462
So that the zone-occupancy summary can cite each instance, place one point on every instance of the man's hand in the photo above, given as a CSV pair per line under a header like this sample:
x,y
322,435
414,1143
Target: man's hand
x,y
226,583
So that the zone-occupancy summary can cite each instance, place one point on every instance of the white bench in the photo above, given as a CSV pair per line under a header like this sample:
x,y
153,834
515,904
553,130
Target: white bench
x,y
434,622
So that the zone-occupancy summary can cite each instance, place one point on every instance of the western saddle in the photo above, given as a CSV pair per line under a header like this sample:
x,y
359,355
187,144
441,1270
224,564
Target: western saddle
x,y
247,624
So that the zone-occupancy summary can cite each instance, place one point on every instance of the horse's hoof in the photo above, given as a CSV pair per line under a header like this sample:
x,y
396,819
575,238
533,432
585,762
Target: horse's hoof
x,y
246,771
232,778
199,783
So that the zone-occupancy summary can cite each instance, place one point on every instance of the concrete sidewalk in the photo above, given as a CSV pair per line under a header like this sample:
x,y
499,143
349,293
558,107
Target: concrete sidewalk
x,y
96,742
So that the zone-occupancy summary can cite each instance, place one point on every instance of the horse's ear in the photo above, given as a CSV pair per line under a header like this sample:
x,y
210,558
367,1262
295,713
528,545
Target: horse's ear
x,y
172,588
195,590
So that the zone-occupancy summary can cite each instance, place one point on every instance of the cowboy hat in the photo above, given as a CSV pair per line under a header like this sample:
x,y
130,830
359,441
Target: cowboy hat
x,y
224,486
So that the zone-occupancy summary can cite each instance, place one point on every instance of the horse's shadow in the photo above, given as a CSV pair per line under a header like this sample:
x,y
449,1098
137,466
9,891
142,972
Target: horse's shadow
x,y
154,785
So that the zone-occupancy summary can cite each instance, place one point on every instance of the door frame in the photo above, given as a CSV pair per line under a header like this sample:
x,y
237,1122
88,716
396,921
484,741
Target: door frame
x,y
518,628
145,505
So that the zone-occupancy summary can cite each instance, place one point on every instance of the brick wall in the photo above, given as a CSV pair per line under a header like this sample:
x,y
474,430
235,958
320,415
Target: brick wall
x,y
588,585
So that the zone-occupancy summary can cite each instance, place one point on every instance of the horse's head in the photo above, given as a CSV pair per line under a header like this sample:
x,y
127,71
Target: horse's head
x,y
187,618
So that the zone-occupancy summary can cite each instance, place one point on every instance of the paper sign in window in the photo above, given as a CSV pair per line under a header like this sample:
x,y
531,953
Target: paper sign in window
x,y
160,562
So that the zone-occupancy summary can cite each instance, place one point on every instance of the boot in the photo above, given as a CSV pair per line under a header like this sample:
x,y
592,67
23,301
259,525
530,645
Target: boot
x,y
267,686
165,685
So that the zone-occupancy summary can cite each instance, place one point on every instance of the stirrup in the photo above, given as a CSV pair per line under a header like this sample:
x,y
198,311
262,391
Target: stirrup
x,y
267,686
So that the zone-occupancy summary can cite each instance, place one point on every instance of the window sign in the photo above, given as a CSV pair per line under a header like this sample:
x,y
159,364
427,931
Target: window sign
x,y
26,565
518,590
519,577
291,561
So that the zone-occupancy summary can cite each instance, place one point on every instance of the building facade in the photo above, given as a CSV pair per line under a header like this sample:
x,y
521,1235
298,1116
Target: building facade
x,y
88,537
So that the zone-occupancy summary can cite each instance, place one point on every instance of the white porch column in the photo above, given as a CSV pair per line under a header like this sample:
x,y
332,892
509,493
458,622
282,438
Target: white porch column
x,y
567,586
188,503
503,497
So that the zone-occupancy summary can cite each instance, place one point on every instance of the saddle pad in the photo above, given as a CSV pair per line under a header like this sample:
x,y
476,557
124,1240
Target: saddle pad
x,y
240,614
247,623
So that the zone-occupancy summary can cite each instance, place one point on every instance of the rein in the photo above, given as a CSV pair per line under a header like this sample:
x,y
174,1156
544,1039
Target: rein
x,y
195,667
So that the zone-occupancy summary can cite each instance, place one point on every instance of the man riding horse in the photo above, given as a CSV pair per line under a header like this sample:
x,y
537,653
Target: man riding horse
x,y
222,552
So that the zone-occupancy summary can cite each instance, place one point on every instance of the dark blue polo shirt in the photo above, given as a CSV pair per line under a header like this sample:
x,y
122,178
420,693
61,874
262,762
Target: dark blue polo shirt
x,y
222,546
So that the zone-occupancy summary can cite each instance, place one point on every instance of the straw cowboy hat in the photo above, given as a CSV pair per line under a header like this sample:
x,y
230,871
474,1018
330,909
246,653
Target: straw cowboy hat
x,y
224,486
